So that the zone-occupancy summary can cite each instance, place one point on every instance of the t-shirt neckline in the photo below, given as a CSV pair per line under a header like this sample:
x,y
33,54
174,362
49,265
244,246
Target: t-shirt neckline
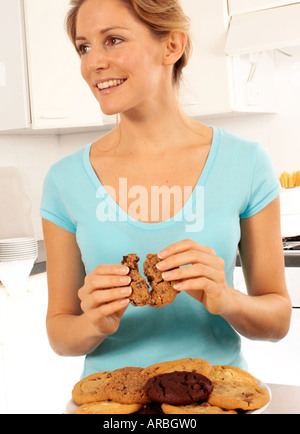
x,y
121,215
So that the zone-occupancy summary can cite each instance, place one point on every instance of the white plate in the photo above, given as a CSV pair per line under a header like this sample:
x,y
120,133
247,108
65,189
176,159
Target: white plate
x,y
18,249
18,240
71,407
267,388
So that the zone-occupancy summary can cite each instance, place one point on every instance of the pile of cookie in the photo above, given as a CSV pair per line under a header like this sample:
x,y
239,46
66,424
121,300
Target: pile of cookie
x,y
186,386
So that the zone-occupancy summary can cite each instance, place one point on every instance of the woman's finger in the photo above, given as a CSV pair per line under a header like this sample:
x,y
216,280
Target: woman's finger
x,y
185,258
106,310
199,284
182,246
94,282
192,271
98,298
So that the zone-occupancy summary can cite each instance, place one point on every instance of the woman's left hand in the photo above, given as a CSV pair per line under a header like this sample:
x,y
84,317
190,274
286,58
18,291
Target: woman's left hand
x,y
201,274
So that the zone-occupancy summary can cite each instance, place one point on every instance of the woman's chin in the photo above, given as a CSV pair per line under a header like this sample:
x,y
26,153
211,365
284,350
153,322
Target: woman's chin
x,y
107,111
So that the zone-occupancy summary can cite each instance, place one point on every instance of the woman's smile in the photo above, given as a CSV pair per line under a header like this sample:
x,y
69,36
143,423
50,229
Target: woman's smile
x,y
107,85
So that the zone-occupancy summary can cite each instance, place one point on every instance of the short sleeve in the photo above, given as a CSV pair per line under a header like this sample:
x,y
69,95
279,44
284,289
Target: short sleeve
x,y
265,185
53,207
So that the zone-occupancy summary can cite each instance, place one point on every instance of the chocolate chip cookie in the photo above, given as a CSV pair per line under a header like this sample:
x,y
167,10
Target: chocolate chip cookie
x,y
199,366
162,292
140,291
108,407
202,408
237,395
91,388
126,386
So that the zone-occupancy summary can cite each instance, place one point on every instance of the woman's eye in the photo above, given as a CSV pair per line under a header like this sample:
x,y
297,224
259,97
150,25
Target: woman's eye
x,y
113,40
83,49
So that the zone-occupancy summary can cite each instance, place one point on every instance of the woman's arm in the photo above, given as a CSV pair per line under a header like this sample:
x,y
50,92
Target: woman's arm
x,y
82,312
262,314
262,260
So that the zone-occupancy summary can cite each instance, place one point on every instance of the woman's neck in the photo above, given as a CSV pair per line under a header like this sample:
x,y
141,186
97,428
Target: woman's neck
x,y
157,127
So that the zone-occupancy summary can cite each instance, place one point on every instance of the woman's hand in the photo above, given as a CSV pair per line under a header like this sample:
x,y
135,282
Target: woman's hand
x,y
104,297
202,274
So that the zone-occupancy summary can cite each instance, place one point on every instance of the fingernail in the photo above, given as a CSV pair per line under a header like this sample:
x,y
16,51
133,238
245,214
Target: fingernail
x,y
167,275
163,254
125,279
126,291
161,265
178,286
124,270
124,302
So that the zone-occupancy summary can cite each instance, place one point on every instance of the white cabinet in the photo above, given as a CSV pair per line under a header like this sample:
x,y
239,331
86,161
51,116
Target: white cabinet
x,y
245,6
40,82
60,97
217,84
265,359
41,87
207,86
14,100
268,29
33,379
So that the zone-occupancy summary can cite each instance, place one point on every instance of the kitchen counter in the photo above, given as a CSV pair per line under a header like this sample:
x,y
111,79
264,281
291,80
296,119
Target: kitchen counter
x,y
285,400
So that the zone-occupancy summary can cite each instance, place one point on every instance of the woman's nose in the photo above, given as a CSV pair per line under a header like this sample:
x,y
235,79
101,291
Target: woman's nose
x,y
97,59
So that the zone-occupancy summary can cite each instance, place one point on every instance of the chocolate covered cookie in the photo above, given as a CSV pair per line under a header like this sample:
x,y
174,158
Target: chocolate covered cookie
x,y
178,388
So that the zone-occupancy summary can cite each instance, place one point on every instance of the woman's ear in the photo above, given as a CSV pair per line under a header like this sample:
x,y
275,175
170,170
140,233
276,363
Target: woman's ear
x,y
174,48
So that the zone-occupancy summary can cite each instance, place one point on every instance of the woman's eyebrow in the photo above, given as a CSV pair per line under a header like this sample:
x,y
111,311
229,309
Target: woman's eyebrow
x,y
103,31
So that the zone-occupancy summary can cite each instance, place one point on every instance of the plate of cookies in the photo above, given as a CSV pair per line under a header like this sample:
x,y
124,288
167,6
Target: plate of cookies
x,y
185,386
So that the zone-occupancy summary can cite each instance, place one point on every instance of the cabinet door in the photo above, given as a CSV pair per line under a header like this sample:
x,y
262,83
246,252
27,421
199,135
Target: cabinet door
x,y
34,375
14,101
244,6
207,84
59,96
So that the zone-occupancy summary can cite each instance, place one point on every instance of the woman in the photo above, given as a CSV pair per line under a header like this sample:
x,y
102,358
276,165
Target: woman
x,y
99,205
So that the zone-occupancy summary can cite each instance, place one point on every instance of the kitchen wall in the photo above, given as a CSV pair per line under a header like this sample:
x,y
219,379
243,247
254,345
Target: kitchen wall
x,y
279,134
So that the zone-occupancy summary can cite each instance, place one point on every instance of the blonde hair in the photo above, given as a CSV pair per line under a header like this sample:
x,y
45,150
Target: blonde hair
x,y
160,16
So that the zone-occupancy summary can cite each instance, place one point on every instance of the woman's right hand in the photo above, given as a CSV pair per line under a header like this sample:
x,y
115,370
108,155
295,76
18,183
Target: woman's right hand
x,y
104,297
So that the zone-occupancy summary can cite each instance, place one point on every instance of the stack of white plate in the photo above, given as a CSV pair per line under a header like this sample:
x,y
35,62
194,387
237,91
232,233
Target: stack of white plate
x,y
18,249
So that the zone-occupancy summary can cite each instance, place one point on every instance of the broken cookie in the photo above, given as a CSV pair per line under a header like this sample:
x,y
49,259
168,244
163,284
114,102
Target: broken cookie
x,y
162,292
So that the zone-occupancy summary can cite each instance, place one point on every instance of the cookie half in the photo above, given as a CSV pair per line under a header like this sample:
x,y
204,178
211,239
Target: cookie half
x,y
140,291
162,292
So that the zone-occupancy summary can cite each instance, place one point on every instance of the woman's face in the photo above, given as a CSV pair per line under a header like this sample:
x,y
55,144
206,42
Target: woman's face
x,y
121,60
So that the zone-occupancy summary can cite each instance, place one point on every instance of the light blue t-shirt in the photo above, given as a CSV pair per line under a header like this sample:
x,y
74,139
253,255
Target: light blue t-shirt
x,y
237,182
